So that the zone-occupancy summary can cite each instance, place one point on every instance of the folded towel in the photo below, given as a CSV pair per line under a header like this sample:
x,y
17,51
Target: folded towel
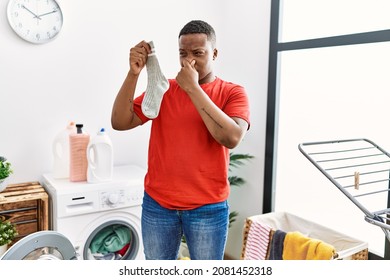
x,y
276,246
300,247
257,241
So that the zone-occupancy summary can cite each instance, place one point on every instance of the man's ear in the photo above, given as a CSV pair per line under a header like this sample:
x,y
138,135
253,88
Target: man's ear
x,y
215,54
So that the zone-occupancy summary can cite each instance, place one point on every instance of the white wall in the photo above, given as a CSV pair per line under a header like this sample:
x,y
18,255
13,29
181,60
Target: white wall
x,y
77,76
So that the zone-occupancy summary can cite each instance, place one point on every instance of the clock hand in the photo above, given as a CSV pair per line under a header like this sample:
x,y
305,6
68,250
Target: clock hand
x,y
54,11
35,16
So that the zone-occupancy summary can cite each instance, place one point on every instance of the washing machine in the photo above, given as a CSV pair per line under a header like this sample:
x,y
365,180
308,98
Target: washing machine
x,y
101,220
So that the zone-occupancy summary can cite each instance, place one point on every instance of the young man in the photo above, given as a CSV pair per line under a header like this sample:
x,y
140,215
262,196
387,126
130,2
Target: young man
x,y
200,118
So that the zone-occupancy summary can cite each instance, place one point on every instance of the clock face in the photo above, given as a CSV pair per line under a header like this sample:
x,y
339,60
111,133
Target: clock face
x,y
36,21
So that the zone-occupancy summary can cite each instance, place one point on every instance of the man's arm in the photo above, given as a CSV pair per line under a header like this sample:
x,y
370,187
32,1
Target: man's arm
x,y
226,130
122,115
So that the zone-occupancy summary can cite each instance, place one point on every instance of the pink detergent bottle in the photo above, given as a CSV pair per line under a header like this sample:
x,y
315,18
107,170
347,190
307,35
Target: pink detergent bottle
x,y
78,143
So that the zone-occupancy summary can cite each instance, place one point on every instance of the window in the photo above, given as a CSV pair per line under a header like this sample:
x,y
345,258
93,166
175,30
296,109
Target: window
x,y
331,84
308,19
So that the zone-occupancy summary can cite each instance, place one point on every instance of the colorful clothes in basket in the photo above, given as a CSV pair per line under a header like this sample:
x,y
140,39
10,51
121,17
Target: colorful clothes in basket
x,y
257,242
300,247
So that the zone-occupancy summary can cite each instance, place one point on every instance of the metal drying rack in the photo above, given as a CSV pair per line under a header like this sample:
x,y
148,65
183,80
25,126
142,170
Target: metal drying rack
x,y
360,169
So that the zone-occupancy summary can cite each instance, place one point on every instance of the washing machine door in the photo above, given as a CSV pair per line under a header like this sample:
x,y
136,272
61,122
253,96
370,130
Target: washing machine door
x,y
41,245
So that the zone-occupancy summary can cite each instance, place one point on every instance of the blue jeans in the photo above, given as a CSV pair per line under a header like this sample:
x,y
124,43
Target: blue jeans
x,y
205,229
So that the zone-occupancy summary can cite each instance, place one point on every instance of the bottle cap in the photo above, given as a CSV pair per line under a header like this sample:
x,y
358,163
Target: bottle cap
x,y
79,128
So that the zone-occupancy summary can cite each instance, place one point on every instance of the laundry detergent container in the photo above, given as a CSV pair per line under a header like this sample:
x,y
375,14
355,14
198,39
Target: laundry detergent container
x,y
347,248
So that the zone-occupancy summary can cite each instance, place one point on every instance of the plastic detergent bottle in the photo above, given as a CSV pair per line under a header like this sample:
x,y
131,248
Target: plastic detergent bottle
x,y
100,158
61,154
78,143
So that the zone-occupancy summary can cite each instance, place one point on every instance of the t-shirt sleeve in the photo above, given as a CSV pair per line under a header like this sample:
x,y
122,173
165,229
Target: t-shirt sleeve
x,y
237,104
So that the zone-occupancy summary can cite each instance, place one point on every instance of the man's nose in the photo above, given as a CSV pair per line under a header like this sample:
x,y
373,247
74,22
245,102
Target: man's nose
x,y
188,60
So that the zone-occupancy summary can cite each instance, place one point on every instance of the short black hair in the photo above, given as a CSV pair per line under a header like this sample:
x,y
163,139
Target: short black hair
x,y
199,26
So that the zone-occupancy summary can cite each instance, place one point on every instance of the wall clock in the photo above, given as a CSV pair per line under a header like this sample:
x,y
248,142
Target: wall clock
x,y
36,21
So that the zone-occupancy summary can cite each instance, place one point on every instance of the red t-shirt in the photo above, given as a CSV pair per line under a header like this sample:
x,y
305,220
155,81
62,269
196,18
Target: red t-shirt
x,y
187,168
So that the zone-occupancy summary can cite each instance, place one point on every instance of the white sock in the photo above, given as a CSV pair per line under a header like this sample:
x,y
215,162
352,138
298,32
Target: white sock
x,y
156,87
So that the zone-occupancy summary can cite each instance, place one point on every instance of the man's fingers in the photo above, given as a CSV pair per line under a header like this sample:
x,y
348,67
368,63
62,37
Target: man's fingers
x,y
143,47
187,63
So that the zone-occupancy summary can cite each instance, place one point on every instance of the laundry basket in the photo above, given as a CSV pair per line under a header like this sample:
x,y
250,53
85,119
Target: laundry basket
x,y
347,248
